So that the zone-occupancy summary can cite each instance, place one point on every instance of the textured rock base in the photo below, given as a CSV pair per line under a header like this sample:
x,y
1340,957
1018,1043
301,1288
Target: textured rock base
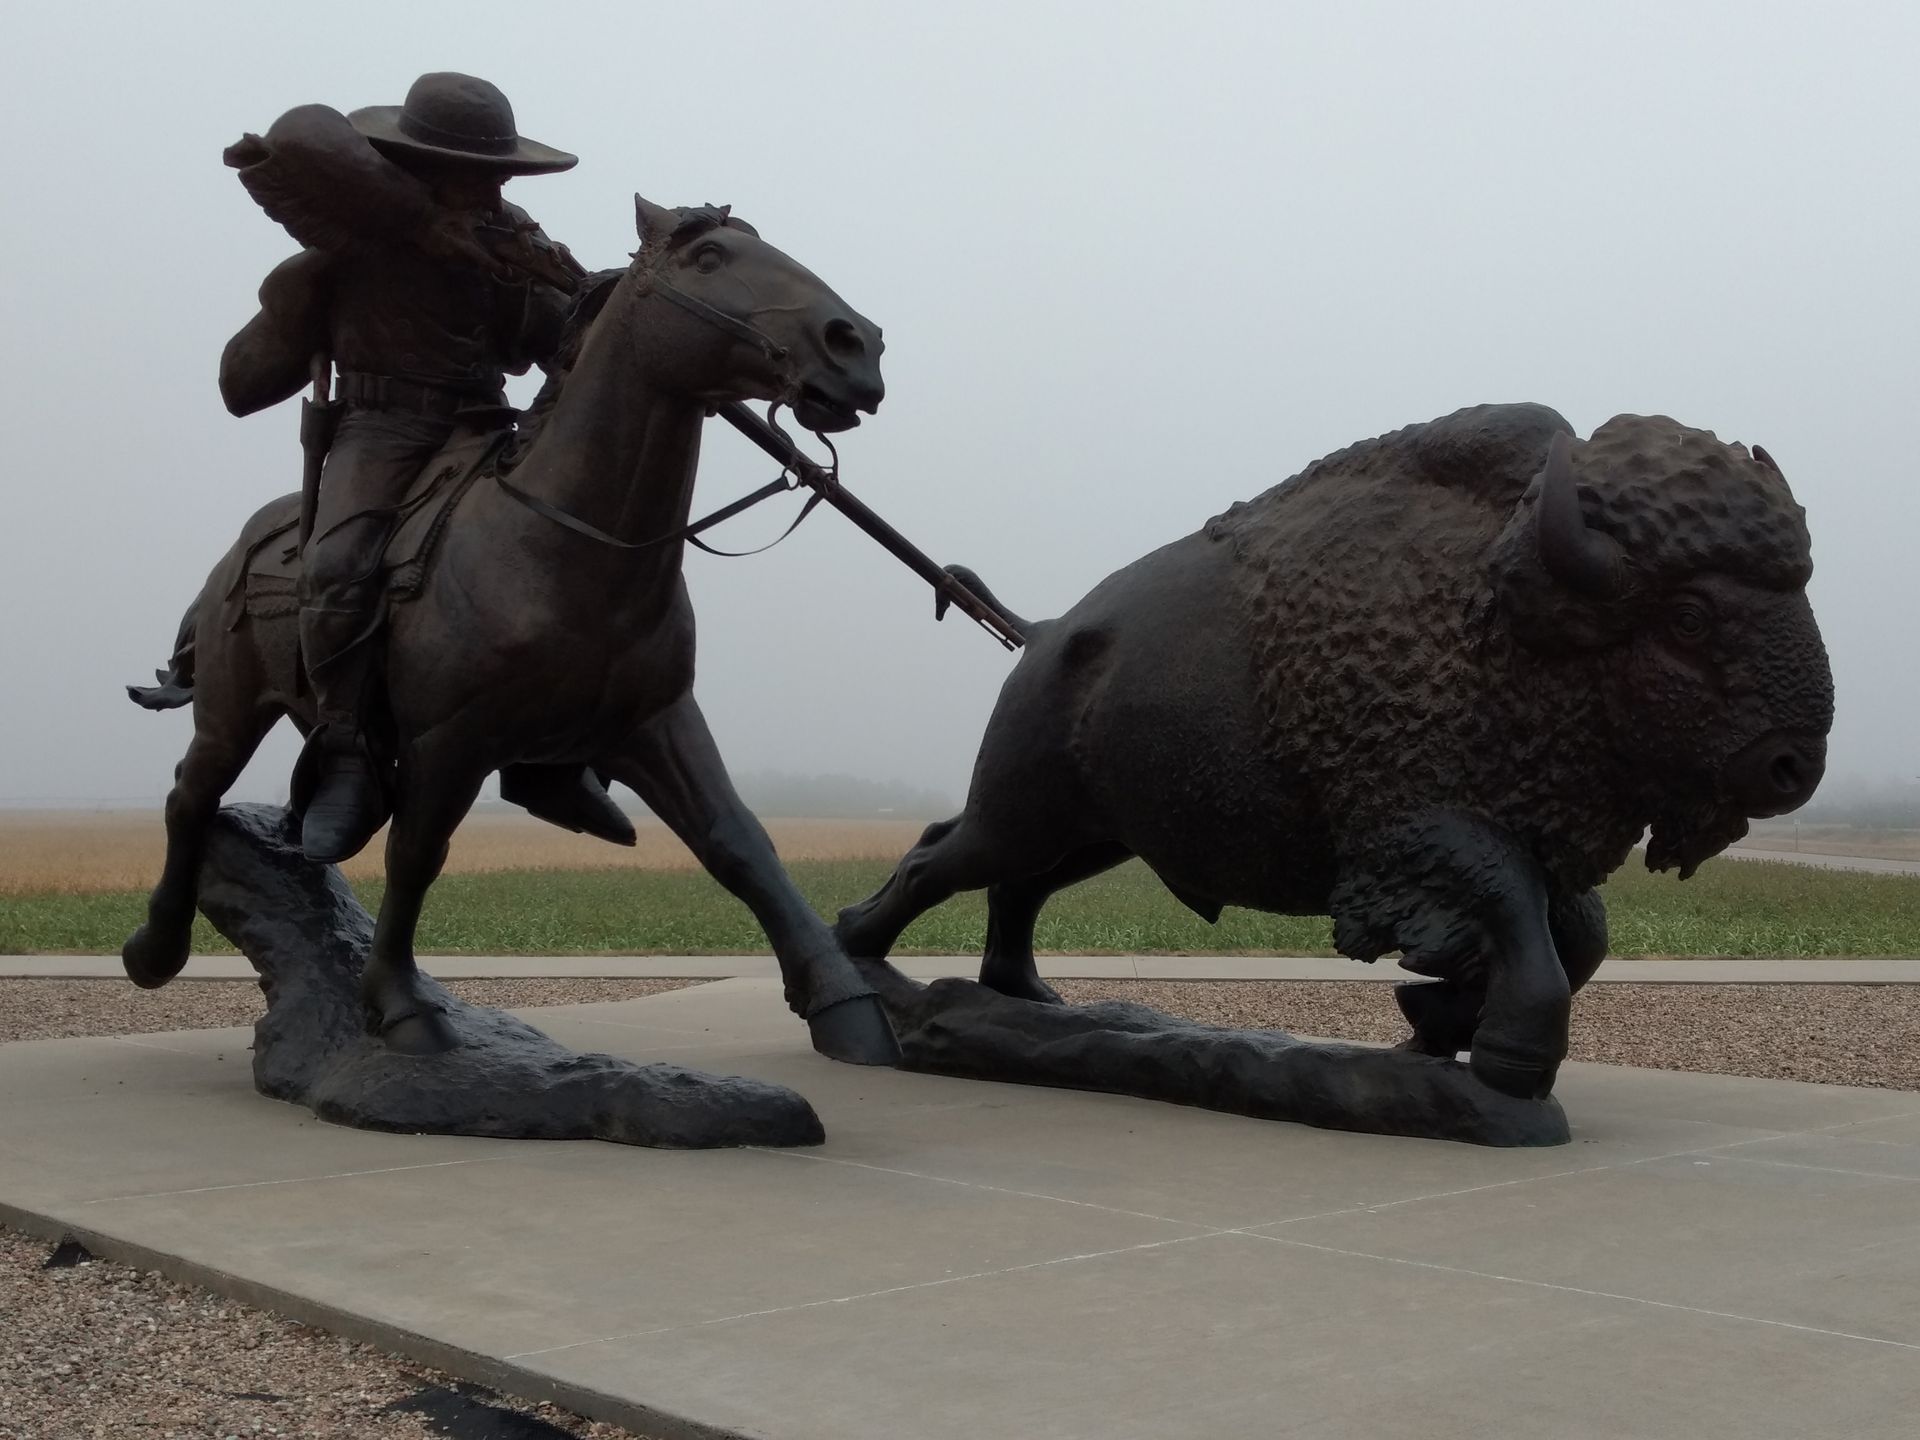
x,y
301,927
957,1027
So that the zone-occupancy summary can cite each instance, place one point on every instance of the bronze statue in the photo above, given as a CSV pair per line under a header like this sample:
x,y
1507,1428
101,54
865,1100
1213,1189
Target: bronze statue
x,y
536,612
425,288
1437,686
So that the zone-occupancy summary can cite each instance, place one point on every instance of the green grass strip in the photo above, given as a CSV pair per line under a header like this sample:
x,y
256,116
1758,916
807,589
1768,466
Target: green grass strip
x,y
1730,908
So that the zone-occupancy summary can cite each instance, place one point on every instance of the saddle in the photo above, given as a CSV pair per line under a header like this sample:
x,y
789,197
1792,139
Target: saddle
x,y
268,585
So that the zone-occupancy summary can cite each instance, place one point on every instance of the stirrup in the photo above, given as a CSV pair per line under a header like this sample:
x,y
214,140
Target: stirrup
x,y
341,799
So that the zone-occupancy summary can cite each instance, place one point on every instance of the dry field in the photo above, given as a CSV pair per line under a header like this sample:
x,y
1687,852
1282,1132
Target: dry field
x,y
1834,840
91,852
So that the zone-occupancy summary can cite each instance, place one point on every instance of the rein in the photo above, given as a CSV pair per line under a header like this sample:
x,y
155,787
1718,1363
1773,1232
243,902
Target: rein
x,y
689,533
795,470
786,480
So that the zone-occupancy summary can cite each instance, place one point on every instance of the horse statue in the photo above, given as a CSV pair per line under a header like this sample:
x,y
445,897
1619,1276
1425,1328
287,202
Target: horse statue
x,y
552,625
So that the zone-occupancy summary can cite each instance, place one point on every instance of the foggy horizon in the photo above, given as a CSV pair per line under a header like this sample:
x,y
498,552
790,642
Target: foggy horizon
x,y
1132,266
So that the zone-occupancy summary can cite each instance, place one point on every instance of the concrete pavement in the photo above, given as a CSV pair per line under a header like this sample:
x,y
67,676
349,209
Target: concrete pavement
x,y
1837,971
1712,1257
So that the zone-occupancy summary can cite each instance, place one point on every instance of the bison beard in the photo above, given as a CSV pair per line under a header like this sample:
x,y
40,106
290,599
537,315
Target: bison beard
x,y
1688,835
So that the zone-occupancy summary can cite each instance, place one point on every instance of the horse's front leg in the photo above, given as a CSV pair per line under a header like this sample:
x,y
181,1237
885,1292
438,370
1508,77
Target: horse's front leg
x,y
673,765
436,790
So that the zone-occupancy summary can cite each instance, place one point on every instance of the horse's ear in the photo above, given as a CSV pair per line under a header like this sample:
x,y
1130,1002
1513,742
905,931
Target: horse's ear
x,y
652,222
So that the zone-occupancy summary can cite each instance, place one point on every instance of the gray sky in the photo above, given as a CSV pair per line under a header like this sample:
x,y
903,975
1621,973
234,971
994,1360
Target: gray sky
x,y
1133,264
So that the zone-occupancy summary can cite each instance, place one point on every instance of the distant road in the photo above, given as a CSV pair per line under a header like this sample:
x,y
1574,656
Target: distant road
x,y
1827,862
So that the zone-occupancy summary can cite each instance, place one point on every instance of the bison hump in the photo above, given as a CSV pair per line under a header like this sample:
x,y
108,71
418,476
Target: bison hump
x,y
1490,452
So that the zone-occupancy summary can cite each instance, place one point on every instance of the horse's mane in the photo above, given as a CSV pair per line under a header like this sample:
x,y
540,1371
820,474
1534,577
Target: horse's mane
x,y
589,299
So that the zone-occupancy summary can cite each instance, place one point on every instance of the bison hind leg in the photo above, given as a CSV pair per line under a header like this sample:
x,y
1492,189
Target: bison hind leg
x,y
968,852
948,857
1013,907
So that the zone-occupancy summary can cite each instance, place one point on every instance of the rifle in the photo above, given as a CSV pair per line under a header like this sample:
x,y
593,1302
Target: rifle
x,y
826,484
317,416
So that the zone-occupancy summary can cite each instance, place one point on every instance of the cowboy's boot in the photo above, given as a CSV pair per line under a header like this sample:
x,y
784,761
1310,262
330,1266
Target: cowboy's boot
x,y
570,796
347,802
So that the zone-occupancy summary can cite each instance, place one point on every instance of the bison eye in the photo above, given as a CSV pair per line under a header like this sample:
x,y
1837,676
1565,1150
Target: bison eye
x,y
1690,621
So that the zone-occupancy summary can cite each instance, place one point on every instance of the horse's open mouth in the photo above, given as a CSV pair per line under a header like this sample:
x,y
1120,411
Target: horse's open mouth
x,y
820,412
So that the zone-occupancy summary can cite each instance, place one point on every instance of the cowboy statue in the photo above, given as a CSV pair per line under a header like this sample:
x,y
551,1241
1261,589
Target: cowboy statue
x,y
425,289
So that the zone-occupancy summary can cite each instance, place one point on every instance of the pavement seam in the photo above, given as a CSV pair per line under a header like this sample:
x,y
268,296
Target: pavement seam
x,y
1369,1209
1826,1169
708,1036
1582,1290
867,1295
295,1180
168,1049
981,1185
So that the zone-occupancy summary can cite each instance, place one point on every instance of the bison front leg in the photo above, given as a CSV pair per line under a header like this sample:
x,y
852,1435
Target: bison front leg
x,y
673,764
1460,897
1445,1013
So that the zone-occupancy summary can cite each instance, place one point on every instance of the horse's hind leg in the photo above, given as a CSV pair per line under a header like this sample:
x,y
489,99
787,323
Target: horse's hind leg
x,y
1012,908
155,953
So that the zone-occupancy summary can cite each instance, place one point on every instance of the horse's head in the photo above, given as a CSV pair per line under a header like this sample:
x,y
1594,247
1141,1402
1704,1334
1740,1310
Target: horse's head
x,y
745,322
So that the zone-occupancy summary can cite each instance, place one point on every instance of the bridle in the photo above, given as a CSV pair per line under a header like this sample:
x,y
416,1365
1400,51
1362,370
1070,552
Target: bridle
x,y
739,329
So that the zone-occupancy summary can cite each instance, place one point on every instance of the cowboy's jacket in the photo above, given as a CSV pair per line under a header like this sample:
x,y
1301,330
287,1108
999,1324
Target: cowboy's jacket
x,y
370,287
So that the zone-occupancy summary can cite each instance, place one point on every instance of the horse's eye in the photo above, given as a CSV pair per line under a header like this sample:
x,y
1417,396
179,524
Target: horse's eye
x,y
709,258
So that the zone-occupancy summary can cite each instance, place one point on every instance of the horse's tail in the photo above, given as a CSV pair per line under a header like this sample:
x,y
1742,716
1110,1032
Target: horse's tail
x,y
176,680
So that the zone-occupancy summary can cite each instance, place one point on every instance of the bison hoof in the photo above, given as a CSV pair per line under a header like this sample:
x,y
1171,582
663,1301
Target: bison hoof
x,y
154,954
1523,1077
855,1031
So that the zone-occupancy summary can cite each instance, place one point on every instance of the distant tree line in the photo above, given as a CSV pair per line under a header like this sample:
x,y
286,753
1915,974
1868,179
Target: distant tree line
x,y
1874,804
839,797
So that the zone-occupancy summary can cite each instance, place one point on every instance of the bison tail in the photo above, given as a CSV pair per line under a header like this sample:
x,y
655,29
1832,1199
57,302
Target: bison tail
x,y
176,678
973,582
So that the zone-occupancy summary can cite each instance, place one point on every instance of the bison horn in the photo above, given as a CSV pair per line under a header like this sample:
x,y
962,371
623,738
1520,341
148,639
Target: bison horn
x,y
1581,558
1760,454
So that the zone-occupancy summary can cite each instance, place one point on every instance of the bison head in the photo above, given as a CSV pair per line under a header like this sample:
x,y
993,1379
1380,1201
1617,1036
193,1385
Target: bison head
x,y
1665,572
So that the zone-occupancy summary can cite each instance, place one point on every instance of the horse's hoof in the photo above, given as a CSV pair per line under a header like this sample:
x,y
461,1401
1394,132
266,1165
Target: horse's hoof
x,y
152,956
855,1031
425,1032
1523,1077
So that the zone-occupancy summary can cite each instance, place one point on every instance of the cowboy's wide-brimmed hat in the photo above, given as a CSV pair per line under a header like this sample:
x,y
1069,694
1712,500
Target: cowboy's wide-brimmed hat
x,y
461,120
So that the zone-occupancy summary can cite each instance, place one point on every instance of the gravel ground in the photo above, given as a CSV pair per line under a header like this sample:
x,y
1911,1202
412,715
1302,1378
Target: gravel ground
x,y
99,1350
93,1349
43,1009
1833,1034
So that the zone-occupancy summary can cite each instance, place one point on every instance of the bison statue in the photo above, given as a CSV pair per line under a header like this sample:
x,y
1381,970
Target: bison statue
x,y
1436,686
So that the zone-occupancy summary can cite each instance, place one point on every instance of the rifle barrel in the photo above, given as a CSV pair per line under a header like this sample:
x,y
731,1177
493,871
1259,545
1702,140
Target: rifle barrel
x,y
1000,626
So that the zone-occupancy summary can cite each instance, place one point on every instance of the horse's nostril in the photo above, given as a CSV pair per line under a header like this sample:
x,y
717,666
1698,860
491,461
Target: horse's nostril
x,y
843,338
